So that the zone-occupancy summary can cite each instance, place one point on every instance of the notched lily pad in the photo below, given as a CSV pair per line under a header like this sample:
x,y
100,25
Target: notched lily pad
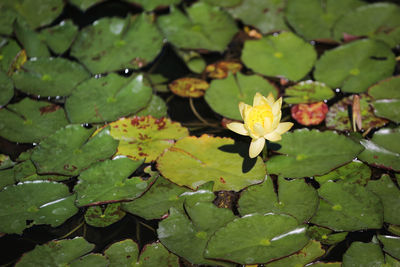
x,y
309,153
363,254
194,161
309,114
221,69
354,172
30,40
60,37
145,137
355,66
340,118
224,95
30,121
285,55
107,98
391,245
37,202
308,92
42,76
108,181
98,216
77,150
85,4
189,87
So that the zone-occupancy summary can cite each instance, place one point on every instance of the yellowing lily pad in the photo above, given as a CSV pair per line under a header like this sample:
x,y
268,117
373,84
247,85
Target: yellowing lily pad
x,y
309,114
145,137
221,69
193,161
189,87
308,92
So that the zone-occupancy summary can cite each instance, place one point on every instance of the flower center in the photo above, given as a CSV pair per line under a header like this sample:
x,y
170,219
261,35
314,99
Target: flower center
x,y
258,114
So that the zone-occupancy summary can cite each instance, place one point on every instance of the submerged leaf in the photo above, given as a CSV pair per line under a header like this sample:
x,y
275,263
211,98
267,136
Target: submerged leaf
x,y
97,217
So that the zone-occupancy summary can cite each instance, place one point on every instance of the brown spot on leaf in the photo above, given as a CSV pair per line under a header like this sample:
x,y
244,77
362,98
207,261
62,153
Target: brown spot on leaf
x,y
49,109
70,168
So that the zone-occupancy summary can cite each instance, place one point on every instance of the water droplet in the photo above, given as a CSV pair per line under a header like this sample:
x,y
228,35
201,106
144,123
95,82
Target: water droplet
x,y
312,42
337,90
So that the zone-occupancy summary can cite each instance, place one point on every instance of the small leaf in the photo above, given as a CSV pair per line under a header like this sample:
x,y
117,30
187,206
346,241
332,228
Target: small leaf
x,y
189,87
60,37
309,114
97,217
391,244
308,92
221,69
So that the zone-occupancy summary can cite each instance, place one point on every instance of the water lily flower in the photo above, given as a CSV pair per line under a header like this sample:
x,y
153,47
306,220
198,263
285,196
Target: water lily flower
x,y
261,121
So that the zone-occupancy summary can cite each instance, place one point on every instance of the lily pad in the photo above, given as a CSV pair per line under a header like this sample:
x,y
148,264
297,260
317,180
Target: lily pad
x,y
60,37
26,171
145,137
189,87
309,153
391,245
30,40
386,95
7,19
69,150
338,116
6,178
389,194
6,89
383,150
308,92
221,69
295,198
38,202
315,19
42,76
5,162
355,66
348,207
156,108
325,264
98,217
85,4
309,253
224,96
9,50
285,55
267,16
30,121
111,44
363,254
92,259
107,99
354,172
258,239
126,253
156,202
201,27
309,114
325,236
380,21
108,181
56,253
149,5
186,234
193,161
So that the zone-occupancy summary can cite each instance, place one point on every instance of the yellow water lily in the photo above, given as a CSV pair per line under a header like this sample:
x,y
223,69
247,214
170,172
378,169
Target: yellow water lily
x,y
261,121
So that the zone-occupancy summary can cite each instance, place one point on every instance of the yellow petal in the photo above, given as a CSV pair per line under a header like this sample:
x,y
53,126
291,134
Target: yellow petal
x,y
273,136
258,129
277,119
268,125
258,99
270,99
237,128
276,107
256,146
283,127
242,107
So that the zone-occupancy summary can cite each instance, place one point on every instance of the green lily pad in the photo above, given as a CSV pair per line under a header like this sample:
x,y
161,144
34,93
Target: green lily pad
x,y
295,198
387,98
26,171
363,254
5,162
69,150
30,41
338,116
223,3
354,172
7,19
111,44
383,150
308,92
108,181
193,60
355,66
267,16
380,21
193,161
93,259
56,253
9,50
60,37
315,19
85,4
42,76
325,236
392,261
389,194
391,245
201,27
309,153
107,98
234,89
126,253
98,217
348,207
285,55
6,178
257,238
156,202
149,5
309,253
30,121
6,89
157,81
156,108
37,202
186,234
145,137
